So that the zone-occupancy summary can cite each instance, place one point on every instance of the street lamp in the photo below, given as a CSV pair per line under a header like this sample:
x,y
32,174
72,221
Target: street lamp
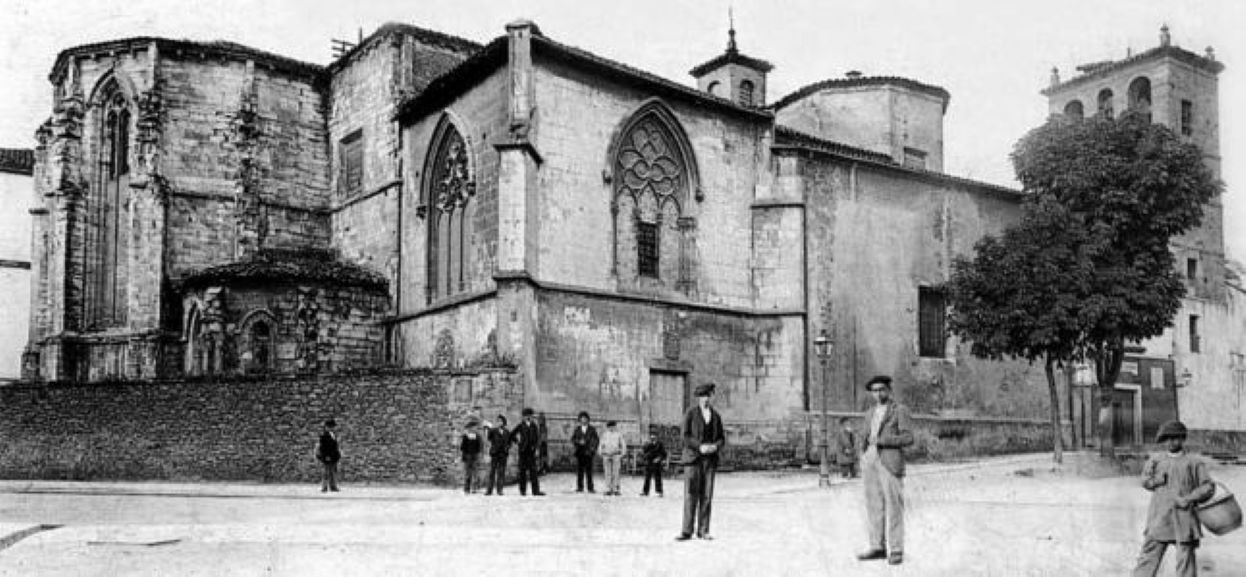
x,y
822,345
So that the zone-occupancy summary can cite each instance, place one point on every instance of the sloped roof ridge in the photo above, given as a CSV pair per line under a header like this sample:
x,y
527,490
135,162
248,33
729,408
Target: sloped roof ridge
x,y
909,83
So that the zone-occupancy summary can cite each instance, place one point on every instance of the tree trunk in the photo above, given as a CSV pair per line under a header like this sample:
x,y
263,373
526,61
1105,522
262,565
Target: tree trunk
x,y
1057,432
1108,361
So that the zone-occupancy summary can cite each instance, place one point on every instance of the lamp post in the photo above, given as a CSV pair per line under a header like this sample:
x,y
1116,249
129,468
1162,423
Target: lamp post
x,y
822,345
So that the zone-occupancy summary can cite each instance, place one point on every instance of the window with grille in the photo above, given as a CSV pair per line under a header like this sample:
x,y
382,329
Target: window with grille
x,y
932,313
1196,344
746,93
647,249
1187,118
352,162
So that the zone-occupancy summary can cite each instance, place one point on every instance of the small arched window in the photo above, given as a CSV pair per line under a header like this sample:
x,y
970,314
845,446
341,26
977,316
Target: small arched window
x,y
1074,110
257,353
714,88
1140,97
746,93
1105,104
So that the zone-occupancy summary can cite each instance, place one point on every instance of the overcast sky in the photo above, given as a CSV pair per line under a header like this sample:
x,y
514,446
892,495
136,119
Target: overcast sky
x,y
993,56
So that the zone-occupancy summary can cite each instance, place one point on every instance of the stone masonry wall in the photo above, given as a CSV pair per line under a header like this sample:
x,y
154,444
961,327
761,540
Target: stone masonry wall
x,y
395,427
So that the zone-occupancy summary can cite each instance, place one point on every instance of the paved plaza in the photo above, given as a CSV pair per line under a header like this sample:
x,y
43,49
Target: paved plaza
x,y
1007,516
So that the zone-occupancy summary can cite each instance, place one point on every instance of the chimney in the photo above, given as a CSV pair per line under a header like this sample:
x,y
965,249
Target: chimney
x,y
853,74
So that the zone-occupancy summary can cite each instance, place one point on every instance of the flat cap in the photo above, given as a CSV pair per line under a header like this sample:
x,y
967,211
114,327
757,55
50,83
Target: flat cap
x,y
883,380
1170,429
704,390
528,412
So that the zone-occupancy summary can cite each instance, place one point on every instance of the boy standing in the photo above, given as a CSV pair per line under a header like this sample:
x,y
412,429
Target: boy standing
x,y
328,452
528,436
469,446
612,448
1177,482
653,454
499,448
846,449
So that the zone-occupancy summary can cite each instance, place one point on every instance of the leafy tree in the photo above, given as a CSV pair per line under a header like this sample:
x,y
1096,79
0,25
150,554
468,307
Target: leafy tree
x,y
1087,269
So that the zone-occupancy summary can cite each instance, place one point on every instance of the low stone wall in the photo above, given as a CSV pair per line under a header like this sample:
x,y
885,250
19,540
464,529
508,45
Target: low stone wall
x,y
396,426
1216,442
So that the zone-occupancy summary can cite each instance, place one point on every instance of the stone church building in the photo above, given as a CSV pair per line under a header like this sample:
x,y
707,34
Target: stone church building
x,y
205,208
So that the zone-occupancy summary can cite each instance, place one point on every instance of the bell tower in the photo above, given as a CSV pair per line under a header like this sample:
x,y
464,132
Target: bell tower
x,y
734,76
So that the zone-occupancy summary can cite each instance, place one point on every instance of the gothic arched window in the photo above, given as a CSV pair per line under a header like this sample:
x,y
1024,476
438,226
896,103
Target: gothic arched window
x,y
1105,104
107,218
1074,109
447,193
654,172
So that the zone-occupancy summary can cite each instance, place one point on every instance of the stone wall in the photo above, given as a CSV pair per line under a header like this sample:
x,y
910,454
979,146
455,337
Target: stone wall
x,y
394,427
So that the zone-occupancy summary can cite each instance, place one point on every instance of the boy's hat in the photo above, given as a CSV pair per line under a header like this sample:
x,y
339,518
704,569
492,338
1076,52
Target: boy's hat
x,y
610,423
502,419
330,423
472,422
528,412
704,390
583,415
883,380
653,429
1170,429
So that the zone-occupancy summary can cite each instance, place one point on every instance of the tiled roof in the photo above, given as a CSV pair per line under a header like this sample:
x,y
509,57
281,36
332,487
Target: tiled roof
x,y
288,266
731,57
17,160
424,35
913,85
785,136
166,45
1097,70
473,70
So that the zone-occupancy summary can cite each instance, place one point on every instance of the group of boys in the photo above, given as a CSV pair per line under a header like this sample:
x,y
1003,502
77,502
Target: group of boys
x,y
532,438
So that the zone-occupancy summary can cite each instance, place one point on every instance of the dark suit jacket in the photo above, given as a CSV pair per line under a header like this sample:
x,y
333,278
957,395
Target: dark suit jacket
x,y
895,433
528,437
327,450
585,443
693,431
499,442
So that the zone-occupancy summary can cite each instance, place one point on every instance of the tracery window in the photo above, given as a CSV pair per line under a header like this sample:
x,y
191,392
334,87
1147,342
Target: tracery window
x,y
257,347
107,222
653,175
448,191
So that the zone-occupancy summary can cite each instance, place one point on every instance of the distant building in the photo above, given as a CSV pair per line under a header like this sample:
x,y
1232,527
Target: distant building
x,y
16,188
1197,369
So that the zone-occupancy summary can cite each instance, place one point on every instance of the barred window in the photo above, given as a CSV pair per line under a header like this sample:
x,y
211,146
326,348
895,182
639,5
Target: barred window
x,y
932,313
1187,118
1196,344
647,249
746,93
352,162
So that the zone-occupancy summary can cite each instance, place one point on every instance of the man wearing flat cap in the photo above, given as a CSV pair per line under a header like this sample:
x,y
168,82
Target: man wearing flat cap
x,y
882,472
703,440
528,436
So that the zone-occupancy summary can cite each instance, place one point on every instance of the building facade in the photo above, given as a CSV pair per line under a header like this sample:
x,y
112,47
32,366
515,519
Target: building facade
x,y
16,169
425,201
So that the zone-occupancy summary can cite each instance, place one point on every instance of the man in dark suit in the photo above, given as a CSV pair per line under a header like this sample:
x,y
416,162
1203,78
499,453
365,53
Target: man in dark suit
x,y
499,450
703,440
882,469
528,436
584,439
329,452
